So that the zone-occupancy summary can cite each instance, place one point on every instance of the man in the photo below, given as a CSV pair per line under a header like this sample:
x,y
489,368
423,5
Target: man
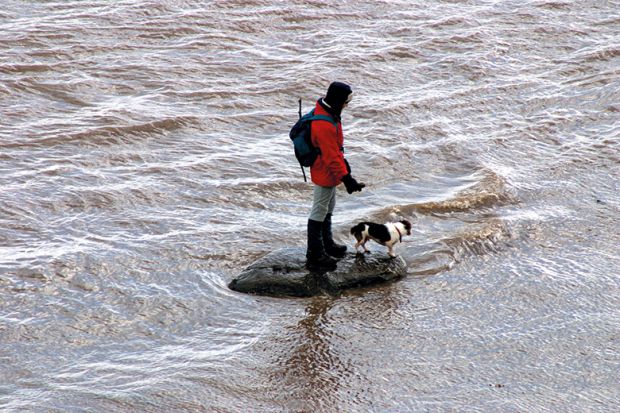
x,y
327,172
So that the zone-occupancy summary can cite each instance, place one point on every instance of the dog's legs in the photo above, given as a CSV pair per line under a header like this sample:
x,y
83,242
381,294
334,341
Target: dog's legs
x,y
359,239
357,245
391,250
366,250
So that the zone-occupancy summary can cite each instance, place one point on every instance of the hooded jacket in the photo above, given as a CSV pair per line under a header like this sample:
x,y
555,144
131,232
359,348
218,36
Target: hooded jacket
x,y
329,168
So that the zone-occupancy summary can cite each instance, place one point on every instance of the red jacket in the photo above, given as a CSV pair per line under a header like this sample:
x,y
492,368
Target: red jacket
x,y
329,168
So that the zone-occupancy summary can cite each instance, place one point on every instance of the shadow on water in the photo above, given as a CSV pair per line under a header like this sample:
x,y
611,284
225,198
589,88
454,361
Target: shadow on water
x,y
317,365
307,366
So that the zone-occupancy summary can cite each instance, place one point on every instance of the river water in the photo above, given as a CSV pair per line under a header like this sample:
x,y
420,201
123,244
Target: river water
x,y
144,162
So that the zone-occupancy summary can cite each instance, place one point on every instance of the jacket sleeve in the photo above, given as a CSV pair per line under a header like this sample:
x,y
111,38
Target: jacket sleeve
x,y
326,139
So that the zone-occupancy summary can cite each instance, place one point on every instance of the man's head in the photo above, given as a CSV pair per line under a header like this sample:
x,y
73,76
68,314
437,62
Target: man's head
x,y
338,95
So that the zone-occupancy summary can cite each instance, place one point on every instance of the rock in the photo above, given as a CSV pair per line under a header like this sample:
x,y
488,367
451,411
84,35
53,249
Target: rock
x,y
283,272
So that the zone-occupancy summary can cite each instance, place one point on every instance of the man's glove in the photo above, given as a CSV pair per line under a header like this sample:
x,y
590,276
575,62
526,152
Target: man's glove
x,y
351,184
348,166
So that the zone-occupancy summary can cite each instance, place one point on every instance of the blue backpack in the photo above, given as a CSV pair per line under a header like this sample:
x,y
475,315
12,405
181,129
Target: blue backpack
x,y
300,134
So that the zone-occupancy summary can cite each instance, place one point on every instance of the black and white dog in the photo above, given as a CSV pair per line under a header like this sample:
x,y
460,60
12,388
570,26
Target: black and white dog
x,y
385,234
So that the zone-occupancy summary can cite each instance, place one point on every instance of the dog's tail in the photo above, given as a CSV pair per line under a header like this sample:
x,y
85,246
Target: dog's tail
x,y
358,229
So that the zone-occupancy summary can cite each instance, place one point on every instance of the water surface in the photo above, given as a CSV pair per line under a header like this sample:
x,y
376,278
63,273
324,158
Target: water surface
x,y
144,162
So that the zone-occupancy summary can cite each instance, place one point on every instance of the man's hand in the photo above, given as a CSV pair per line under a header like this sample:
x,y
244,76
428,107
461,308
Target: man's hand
x,y
351,184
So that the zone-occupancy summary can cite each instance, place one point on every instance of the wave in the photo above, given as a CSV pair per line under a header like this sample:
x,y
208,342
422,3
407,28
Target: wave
x,y
478,239
104,135
446,231
464,203
111,199
488,192
445,252
17,68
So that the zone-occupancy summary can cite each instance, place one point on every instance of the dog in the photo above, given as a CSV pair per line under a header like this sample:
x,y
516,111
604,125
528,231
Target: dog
x,y
385,234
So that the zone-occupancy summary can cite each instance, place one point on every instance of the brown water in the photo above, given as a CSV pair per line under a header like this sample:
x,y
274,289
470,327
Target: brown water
x,y
145,161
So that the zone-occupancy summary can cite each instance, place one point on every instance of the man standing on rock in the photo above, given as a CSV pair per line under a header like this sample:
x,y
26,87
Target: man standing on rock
x,y
327,172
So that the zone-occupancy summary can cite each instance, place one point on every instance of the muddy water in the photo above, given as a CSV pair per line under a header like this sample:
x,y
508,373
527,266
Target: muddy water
x,y
144,162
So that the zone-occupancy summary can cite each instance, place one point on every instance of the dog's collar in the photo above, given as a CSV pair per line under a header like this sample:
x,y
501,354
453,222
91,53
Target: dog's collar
x,y
400,236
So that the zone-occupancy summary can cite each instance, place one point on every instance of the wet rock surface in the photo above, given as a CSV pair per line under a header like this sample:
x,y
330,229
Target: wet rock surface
x,y
283,272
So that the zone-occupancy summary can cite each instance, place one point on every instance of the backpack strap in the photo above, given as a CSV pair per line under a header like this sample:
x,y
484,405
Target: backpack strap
x,y
325,118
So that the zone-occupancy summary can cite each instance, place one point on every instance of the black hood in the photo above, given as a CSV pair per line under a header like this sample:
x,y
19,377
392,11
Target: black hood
x,y
336,96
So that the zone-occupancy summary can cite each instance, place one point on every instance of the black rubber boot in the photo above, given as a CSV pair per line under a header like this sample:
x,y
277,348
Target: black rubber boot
x,y
331,248
316,256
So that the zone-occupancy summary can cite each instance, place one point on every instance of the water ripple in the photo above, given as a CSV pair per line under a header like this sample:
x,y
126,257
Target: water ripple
x,y
144,161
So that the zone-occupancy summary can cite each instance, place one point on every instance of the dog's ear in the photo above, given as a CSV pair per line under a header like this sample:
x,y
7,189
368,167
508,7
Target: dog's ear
x,y
407,225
